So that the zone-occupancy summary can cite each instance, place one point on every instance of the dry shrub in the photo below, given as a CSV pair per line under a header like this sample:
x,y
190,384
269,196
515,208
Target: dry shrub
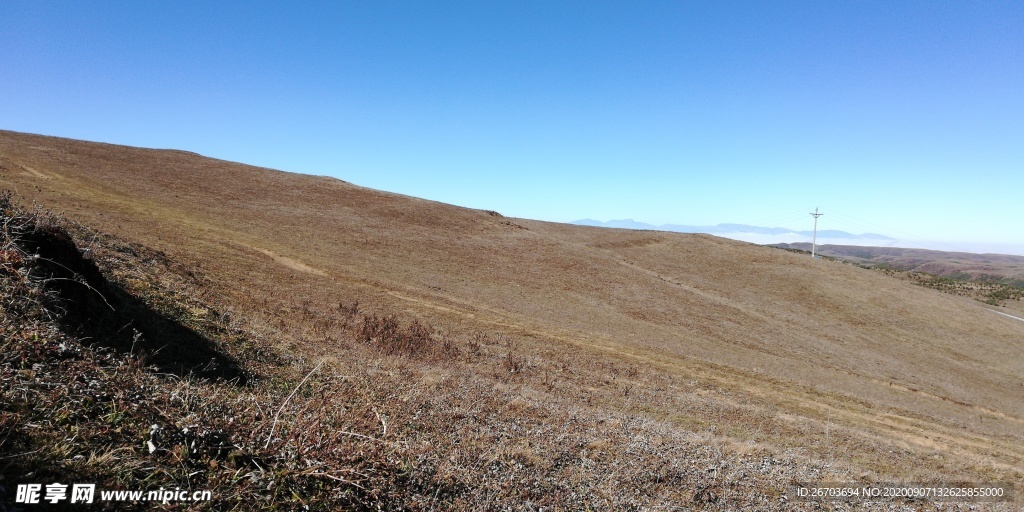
x,y
474,345
380,330
513,364
390,337
348,312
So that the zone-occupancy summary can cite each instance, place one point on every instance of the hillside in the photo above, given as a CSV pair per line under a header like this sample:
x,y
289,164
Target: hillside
x,y
994,279
572,350
965,265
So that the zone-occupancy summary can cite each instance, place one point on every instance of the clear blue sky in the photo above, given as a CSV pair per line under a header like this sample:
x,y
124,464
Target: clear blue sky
x,y
898,117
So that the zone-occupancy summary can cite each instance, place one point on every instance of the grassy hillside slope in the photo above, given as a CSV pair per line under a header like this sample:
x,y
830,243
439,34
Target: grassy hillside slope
x,y
753,346
986,267
995,279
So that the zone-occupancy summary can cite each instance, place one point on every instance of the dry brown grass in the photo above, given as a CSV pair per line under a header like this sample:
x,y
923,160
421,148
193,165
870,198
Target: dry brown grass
x,y
988,267
568,366
995,279
366,432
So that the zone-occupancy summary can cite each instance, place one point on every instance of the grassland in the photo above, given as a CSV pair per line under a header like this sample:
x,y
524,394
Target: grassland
x,y
995,279
468,360
1006,268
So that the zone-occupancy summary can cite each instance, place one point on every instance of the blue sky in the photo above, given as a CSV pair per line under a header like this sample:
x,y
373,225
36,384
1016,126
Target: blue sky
x,y
905,118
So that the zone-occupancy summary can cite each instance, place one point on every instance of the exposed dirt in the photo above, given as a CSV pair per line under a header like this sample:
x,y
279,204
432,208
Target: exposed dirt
x,y
292,264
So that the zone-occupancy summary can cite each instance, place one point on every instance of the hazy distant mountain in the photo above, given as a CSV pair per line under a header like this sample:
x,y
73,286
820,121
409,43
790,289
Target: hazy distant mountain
x,y
623,223
730,229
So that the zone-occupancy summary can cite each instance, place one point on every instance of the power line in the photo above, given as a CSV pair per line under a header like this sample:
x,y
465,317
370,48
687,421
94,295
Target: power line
x,y
774,221
845,218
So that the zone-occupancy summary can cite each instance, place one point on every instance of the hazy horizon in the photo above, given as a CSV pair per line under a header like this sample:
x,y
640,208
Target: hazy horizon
x,y
766,239
903,119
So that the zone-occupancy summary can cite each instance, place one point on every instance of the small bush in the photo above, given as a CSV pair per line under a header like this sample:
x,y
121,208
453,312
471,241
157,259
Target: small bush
x,y
387,333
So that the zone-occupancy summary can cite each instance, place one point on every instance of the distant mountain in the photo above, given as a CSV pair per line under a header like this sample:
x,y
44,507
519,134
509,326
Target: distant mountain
x,y
623,223
730,229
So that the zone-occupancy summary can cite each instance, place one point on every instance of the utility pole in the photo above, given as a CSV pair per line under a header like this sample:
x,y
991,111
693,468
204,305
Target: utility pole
x,y
814,243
